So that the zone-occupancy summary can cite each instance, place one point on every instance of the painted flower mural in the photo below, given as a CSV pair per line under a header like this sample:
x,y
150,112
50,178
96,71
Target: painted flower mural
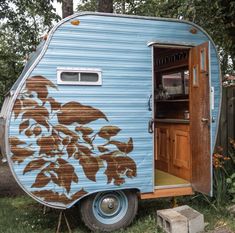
x,y
64,143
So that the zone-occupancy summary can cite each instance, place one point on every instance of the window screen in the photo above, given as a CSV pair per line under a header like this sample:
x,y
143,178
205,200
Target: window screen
x,y
89,77
69,77
79,76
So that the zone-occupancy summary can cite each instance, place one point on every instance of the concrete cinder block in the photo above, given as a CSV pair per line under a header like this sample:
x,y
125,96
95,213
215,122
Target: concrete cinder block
x,y
195,219
182,219
171,221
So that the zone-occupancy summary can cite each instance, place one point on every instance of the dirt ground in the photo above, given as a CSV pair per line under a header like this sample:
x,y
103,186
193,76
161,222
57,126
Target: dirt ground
x,y
8,185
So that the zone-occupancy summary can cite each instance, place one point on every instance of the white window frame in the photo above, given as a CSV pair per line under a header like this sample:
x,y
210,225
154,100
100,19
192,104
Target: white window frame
x,y
60,70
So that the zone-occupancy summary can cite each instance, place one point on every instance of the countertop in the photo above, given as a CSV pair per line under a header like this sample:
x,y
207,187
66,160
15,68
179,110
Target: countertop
x,y
170,120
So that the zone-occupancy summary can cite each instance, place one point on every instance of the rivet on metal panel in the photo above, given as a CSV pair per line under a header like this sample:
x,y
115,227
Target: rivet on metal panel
x,y
75,22
45,37
193,30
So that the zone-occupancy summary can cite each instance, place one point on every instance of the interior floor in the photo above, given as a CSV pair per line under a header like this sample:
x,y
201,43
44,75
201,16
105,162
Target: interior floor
x,y
166,179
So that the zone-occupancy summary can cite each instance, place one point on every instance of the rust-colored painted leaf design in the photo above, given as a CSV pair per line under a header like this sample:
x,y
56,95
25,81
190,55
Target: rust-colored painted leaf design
x,y
29,132
74,139
111,170
84,130
16,141
54,179
102,149
41,120
63,143
117,167
63,129
47,145
29,103
39,110
41,180
108,131
72,112
79,194
71,149
40,85
78,155
83,149
90,166
40,114
123,147
56,137
24,125
126,165
17,108
54,104
37,130
34,165
20,154
87,139
50,196
66,174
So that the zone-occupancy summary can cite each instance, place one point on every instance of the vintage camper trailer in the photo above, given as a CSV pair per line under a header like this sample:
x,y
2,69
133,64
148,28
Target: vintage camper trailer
x,y
111,108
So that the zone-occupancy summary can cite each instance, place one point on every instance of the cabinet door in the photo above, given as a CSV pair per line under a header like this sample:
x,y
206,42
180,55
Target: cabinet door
x,y
180,165
163,144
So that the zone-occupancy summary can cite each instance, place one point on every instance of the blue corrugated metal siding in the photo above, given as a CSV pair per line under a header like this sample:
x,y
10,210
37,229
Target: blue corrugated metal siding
x,y
216,83
117,46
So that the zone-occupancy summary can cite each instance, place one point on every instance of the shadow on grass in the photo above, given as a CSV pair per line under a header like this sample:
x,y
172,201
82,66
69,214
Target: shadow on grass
x,y
24,215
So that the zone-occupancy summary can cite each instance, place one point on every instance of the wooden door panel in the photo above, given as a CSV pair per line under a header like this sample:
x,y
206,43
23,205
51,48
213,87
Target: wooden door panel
x,y
162,162
181,150
200,118
181,159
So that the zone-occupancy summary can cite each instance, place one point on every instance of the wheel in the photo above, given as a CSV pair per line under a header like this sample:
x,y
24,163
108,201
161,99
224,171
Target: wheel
x,y
109,211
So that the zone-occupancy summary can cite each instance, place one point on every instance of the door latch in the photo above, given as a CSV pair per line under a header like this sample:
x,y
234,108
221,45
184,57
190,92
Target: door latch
x,y
150,127
204,120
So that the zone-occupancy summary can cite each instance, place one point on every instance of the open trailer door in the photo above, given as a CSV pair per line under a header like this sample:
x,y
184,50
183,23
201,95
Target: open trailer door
x,y
200,118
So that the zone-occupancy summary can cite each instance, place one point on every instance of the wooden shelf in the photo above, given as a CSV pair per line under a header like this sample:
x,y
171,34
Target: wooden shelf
x,y
173,121
172,101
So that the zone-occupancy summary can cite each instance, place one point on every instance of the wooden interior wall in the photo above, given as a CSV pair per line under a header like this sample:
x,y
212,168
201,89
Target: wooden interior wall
x,y
227,118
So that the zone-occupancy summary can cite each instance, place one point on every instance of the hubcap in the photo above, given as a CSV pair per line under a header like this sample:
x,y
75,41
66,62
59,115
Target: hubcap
x,y
110,207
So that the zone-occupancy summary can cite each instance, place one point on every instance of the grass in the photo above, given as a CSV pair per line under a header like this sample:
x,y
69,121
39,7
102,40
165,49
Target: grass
x,y
24,215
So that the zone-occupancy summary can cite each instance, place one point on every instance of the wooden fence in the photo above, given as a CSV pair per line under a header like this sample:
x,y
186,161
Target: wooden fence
x,y
227,118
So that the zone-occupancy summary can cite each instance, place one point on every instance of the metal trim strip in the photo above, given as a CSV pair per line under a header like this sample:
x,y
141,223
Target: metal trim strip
x,y
166,44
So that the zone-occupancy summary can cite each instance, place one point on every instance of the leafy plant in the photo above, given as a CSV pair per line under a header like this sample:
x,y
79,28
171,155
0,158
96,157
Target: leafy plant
x,y
232,150
216,17
231,179
23,22
68,140
231,183
224,183
220,162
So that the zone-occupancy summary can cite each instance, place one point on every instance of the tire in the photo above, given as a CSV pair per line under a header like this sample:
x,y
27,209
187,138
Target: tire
x,y
109,211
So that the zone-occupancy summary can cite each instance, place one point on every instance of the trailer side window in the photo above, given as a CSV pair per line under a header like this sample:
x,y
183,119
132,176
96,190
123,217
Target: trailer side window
x,y
195,76
79,76
203,60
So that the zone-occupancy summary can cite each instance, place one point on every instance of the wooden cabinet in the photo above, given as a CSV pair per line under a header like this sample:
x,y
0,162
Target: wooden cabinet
x,y
172,152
